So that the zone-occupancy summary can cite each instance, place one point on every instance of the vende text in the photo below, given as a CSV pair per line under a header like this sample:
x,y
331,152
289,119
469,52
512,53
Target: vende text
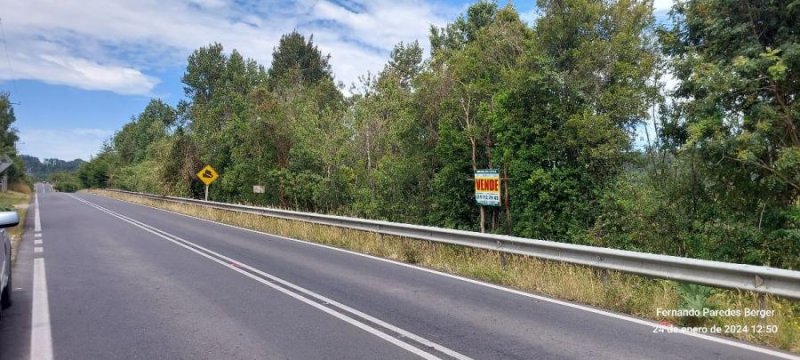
x,y
487,184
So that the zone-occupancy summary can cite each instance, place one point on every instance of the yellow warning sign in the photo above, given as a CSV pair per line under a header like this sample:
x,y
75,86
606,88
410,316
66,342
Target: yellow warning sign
x,y
207,175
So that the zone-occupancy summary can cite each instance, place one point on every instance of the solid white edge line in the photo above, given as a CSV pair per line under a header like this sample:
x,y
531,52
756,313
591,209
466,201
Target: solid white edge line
x,y
41,336
349,320
651,324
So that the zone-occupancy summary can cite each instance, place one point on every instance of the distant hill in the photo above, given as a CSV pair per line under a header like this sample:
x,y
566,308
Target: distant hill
x,y
41,170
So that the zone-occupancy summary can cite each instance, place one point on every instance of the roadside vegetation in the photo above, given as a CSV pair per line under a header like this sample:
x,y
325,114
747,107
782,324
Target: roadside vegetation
x,y
574,109
65,181
42,170
18,198
616,291
19,185
555,105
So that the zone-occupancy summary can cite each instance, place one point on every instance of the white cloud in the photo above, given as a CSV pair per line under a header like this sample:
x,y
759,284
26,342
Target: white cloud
x,y
530,16
113,45
663,5
81,73
383,23
62,144
213,4
378,27
669,83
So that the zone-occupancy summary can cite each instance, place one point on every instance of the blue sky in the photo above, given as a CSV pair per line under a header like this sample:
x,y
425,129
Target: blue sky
x,y
80,69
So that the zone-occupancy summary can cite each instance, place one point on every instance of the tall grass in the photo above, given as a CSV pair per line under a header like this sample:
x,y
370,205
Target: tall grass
x,y
20,187
620,292
18,198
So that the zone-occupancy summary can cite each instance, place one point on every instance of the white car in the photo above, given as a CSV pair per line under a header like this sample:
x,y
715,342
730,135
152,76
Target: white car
x,y
7,219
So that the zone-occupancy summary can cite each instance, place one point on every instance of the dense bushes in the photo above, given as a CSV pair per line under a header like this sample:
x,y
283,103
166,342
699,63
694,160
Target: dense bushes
x,y
555,106
65,181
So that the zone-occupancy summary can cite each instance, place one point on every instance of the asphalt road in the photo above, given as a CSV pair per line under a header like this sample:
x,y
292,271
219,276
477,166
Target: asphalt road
x,y
114,280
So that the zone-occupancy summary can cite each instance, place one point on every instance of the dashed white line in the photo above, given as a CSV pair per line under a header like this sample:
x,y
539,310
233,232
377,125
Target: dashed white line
x,y
37,249
41,335
37,222
37,242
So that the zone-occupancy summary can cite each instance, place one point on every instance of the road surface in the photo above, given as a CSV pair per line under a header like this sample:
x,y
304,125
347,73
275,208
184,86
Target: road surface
x,y
104,279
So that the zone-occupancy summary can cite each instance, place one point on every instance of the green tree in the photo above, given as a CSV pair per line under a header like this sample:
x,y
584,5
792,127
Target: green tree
x,y
97,173
493,42
9,138
218,87
296,59
464,29
8,134
297,128
152,124
65,181
392,169
563,118
42,169
736,120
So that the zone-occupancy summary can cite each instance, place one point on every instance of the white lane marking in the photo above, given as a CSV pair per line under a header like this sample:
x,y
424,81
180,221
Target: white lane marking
x,y
37,222
37,235
41,337
238,268
37,242
37,249
648,323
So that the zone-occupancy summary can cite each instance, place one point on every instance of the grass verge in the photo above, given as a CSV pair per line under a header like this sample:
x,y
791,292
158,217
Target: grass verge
x,y
19,199
620,292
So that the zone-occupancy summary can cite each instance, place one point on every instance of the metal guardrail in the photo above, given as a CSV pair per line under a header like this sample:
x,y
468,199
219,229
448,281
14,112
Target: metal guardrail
x,y
760,279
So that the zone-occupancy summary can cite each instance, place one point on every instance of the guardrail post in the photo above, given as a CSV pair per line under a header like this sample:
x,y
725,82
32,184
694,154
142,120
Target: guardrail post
x,y
603,277
503,259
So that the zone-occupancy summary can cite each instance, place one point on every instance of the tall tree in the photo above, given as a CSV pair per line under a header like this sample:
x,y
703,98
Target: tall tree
x,y
405,62
219,86
493,41
8,134
204,73
296,59
565,116
388,143
736,113
464,29
9,137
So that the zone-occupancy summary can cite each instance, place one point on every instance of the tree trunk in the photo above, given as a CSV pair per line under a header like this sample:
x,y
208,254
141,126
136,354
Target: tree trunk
x,y
474,169
507,205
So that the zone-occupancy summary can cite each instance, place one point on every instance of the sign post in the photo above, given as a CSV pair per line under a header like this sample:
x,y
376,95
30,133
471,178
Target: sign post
x,y
208,175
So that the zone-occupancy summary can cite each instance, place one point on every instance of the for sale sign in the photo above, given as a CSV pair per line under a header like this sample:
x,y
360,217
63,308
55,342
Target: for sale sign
x,y
487,187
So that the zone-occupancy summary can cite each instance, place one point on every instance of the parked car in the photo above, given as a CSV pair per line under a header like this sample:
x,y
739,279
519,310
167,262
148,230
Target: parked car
x,y
7,219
